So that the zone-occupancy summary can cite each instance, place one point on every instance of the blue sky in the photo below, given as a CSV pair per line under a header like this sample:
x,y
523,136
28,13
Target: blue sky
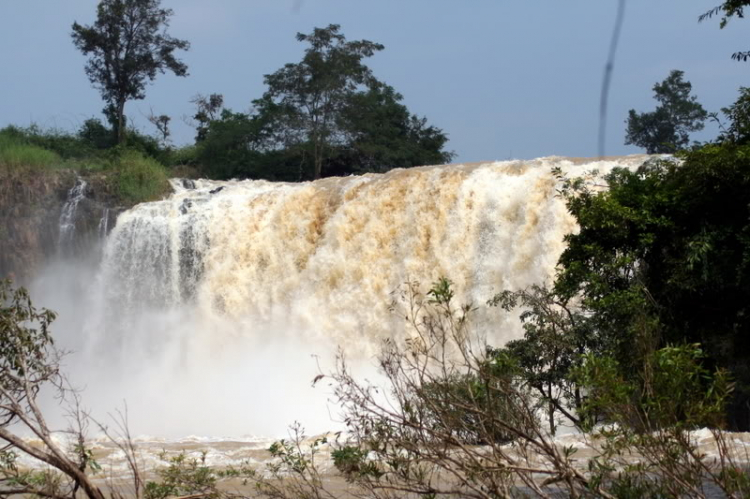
x,y
504,79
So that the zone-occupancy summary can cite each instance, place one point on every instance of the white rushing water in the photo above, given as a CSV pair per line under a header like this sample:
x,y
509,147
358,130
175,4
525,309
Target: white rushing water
x,y
207,306
68,215
153,452
103,227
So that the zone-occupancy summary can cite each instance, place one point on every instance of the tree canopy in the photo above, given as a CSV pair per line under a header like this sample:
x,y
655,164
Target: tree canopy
x,y
311,94
738,114
662,258
382,134
667,128
326,115
127,46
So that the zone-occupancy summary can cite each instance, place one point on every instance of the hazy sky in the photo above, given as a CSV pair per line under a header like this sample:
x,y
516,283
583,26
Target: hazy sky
x,y
503,78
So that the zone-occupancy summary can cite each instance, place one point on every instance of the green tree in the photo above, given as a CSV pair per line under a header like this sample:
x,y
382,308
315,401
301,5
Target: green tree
x,y
738,114
308,97
235,146
667,129
328,115
24,349
95,134
161,123
416,429
556,335
382,134
29,363
663,256
127,46
207,109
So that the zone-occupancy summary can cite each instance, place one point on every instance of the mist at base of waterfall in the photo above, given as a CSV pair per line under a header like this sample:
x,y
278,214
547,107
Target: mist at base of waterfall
x,y
179,375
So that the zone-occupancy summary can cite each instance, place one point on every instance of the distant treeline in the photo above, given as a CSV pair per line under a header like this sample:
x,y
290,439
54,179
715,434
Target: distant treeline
x,y
325,115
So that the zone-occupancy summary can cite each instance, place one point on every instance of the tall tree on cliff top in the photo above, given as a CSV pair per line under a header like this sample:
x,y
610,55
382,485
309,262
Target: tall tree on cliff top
x,y
127,46
307,97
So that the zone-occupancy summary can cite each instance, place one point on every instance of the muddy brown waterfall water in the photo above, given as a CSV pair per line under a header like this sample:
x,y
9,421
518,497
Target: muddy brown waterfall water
x,y
204,309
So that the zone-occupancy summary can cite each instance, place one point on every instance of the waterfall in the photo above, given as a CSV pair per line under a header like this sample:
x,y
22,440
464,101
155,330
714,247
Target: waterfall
x,y
324,256
67,222
208,304
103,227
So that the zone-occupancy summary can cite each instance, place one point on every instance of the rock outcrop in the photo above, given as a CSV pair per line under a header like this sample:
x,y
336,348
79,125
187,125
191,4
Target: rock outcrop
x,y
52,213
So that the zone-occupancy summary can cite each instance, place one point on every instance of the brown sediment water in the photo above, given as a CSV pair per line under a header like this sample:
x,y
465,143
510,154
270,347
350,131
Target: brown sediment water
x,y
204,308
325,255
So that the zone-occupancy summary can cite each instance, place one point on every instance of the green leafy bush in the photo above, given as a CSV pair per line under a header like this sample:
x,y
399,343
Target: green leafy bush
x,y
650,416
64,144
182,156
672,389
664,253
350,460
183,476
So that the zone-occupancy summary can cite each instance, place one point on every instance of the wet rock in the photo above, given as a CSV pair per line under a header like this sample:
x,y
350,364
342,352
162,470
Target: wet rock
x,y
185,206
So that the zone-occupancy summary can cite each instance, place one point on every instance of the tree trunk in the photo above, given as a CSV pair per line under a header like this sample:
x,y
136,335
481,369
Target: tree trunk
x,y
551,409
318,161
121,122
318,168
91,490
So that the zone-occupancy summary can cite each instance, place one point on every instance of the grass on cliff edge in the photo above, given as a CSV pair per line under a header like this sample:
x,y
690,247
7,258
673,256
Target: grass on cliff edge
x,y
136,177
17,156
140,178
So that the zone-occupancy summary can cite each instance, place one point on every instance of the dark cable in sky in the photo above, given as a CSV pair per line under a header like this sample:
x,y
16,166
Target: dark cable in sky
x,y
608,75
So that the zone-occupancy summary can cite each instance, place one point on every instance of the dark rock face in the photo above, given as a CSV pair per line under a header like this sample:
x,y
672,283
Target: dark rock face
x,y
40,219
29,220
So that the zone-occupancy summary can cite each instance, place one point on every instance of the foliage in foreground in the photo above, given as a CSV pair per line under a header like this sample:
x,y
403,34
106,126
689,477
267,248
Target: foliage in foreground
x,y
406,441
662,257
452,417
29,362
727,10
